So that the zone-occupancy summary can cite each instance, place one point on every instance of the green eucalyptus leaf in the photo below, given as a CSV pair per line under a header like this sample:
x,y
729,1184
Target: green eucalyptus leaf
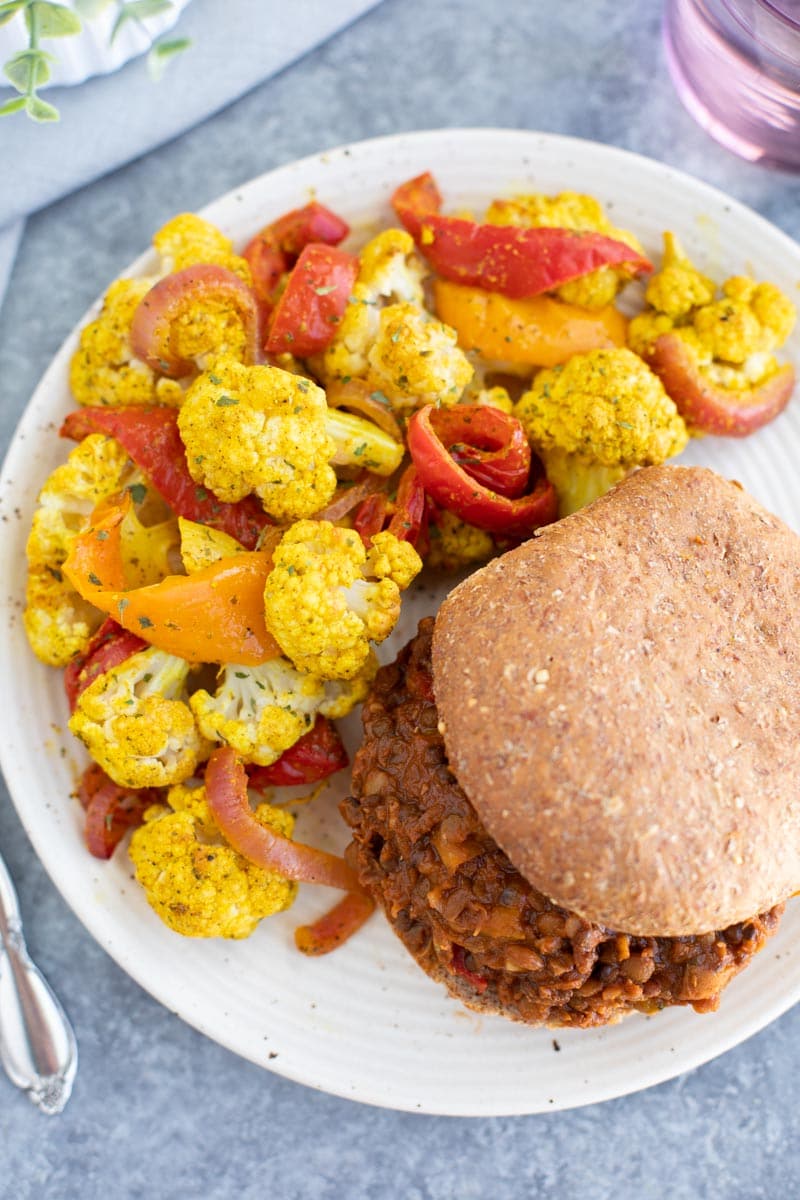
x,y
28,69
122,16
10,9
39,110
138,10
142,9
12,106
91,8
162,54
54,20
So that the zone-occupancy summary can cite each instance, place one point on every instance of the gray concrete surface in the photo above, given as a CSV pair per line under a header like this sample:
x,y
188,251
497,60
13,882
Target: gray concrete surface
x,y
158,1110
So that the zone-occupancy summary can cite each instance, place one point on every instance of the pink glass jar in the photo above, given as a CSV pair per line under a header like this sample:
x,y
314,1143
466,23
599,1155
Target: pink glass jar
x,y
736,67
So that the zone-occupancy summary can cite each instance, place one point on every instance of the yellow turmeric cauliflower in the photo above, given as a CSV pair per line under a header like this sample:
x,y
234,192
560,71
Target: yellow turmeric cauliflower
x,y
751,318
493,397
212,326
259,429
188,239
264,430
678,287
197,884
58,622
326,598
731,339
389,273
262,711
595,418
135,722
455,544
415,360
104,369
388,338
95,468
570,210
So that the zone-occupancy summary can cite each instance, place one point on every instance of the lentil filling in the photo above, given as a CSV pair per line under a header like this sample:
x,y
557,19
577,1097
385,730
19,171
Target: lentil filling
x,y
468,916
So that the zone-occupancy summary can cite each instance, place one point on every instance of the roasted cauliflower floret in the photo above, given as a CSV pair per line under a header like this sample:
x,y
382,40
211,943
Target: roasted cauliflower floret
x,y
389,273
198,884
264,430
104,369
95,468
259,429
135,722
570,210
731,339
678,287
415,360
386,336
262,711
188,239
494,397
58,622
455,544
326,598
645,329
751,318
595,418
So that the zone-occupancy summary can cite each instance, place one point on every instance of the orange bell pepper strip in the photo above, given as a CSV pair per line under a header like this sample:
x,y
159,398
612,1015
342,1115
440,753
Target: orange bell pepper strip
x,y
538,331
214,615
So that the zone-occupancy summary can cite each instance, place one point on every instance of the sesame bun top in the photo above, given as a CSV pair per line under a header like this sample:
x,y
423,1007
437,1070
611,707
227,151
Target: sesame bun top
x,y
619,698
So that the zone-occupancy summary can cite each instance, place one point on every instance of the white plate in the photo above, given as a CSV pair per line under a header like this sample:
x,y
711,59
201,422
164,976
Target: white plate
x,y
365,1022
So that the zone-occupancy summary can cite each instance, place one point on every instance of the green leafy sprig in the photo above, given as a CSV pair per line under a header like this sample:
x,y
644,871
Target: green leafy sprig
x,y
29,69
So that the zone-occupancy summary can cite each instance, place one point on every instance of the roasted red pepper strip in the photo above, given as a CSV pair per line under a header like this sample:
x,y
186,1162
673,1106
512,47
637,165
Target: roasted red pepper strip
x,y
504,258
409,522
153,326
519,262
214,615
316,295
407,518
450,486
111,810
371,517
109,647
226,789
489,444
460,967
151,438
274,250
336,926
316,755
267,266
417,198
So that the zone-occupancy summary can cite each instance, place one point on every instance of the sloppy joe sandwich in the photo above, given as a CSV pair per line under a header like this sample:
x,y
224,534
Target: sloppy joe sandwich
x,y
577,791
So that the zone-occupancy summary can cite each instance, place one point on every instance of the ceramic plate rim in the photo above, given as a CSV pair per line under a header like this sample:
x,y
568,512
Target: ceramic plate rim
x,y
383,149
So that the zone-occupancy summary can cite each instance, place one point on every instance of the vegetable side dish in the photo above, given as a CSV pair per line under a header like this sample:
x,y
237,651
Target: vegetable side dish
x,y
270,446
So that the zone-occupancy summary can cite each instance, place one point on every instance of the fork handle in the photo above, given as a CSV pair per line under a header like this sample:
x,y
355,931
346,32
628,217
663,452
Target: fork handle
x,y
37,1043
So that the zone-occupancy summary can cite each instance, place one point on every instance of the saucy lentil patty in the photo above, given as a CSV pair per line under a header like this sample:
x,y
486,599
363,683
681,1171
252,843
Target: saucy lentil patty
x,y
468,916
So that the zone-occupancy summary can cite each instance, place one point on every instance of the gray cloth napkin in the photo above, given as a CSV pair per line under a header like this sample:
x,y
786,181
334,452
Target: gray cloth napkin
x,y
115,118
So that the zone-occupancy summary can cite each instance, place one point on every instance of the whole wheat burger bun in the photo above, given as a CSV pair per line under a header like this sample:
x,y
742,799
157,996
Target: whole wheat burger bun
x,y
620,701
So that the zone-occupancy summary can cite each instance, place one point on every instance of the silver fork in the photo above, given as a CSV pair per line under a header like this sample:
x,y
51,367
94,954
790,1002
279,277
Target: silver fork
x,y
37,1043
